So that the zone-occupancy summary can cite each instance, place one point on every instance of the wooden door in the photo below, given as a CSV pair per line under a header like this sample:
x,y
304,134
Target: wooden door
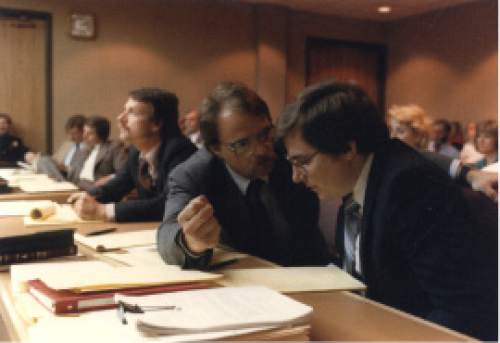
x,y
363,64
23,78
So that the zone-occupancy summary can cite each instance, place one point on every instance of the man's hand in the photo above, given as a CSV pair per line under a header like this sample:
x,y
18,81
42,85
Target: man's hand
x,y
199,226
486,182
87,207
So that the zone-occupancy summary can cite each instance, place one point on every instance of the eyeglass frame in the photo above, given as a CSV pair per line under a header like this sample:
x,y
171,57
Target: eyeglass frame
x,y
303,163
266,135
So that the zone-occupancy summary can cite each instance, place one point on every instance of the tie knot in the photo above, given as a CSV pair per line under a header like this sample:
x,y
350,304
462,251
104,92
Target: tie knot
x,y
351,206
254,187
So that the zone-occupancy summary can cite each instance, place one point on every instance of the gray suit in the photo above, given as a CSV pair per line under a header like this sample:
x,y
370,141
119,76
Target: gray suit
x,y
110,158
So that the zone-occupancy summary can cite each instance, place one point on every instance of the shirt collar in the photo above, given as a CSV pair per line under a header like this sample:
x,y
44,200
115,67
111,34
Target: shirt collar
x,y
241,181
150,155
359,190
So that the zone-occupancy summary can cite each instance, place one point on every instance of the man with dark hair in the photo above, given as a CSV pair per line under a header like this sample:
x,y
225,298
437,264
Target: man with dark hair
x,y
419,242
102,158
12,148
441,129
149,123
238,191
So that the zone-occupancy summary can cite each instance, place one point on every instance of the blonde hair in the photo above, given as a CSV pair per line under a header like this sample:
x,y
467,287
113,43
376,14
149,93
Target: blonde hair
x,y
414,117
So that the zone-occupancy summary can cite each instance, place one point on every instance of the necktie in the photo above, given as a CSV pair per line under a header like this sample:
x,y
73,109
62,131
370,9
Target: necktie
x,y
352,228
261,237
145,178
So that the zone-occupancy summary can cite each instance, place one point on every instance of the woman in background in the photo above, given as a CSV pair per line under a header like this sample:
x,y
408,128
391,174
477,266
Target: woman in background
x,y
410,124
487,143
469,154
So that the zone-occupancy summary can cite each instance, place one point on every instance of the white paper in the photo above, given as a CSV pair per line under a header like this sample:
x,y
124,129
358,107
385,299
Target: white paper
x,y
65,214
217,309
116,240
45,184
22,207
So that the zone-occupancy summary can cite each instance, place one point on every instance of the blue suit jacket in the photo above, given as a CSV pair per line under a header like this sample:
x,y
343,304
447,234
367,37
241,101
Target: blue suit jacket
x,y
428,246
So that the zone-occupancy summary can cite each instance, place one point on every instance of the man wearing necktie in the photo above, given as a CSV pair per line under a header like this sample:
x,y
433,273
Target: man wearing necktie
x,y
420,243
148,124
238,191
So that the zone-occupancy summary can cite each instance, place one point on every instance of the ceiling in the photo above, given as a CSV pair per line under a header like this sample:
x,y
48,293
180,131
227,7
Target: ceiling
x,y
365,9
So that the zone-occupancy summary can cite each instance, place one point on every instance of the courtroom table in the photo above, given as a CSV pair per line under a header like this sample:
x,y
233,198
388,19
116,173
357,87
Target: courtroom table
x,y
337,316
17,194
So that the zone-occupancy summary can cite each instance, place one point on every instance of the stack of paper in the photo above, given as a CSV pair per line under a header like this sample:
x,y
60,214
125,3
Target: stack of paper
x,y
293,279
217,313
123,277
42,183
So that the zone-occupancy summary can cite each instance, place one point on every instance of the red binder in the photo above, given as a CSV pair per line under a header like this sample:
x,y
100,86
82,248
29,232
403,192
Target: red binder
x,y
66,301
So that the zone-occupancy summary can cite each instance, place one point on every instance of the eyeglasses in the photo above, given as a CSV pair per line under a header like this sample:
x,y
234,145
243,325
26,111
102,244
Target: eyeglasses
x,y
245,146
302,162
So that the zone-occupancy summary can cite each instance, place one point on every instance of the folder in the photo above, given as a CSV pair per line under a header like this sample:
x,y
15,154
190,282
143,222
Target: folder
x,y
66,301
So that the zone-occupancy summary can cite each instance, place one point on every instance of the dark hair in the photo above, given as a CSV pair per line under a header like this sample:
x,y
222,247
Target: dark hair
x,y
100,125
228,96
165,106
446,127
331,115
7,118
75,121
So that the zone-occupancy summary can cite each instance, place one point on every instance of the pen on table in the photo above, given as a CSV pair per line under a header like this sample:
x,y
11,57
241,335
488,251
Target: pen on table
x,y
222,264
101,231
120,311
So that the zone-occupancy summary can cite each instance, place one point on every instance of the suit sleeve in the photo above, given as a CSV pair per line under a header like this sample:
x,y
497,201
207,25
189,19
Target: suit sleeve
x,y
171,247
448,236
117,187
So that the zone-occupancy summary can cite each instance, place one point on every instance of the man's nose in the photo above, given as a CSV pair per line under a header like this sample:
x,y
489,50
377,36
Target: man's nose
x,y
297,175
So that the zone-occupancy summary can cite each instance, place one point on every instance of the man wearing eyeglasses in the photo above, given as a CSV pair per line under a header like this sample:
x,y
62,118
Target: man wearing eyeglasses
x,y
238,191
419,242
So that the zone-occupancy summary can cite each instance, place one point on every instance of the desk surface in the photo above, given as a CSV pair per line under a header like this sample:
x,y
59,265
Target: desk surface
x,y
336,316
17,194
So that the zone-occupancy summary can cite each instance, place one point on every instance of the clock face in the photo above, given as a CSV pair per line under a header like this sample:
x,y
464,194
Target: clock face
x,y
82,25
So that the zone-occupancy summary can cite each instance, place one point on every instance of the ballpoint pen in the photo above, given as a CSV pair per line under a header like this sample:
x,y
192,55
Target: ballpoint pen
x,y
101,231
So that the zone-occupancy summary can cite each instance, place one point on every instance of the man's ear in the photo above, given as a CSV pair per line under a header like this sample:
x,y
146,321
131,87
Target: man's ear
x,y
216,150
157,126
353,151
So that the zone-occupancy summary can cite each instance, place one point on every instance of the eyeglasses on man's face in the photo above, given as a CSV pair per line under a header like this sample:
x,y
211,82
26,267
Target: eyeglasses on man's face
x,y
245,146
301,163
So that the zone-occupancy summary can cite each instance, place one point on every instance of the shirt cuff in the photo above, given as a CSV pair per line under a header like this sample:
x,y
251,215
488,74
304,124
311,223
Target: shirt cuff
x,y
110,211
183,245
455,168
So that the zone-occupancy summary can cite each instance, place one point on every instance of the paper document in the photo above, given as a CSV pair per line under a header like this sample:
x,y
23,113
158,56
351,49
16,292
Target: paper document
x,y
20,274
121,277
138,256
293,279
22,207
116,240
45,184
64,214
217,309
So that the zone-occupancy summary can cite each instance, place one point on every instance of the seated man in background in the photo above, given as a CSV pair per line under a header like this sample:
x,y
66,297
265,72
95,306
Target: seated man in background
x,y
441,129
149,123
12,148
238,191
102,158
69,152
419,242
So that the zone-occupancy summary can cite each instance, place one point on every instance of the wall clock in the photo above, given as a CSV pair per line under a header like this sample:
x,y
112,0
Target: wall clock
x,y
83,26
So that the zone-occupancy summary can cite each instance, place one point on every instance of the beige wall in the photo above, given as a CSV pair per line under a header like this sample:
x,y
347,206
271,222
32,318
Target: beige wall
x,y
447,62
184,46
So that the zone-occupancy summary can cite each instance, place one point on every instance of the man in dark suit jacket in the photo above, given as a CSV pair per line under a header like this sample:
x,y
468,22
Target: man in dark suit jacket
x,y
149,123
420,243
209,195
12,148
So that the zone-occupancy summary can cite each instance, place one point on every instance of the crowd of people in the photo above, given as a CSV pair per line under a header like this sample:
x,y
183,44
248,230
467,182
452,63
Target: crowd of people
x,y
418,220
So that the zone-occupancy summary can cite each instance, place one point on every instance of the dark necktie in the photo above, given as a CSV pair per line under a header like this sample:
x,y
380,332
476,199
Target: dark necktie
x,y
145,178
261,237
352,228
